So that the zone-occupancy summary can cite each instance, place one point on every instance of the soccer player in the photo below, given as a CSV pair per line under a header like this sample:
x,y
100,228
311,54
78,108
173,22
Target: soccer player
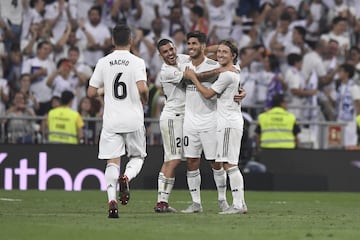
x,y
199,130
122,76
172,117
229,122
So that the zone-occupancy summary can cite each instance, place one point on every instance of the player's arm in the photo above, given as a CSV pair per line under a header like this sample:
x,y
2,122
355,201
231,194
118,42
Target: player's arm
x,y
143,91
206,92
212,75
95,92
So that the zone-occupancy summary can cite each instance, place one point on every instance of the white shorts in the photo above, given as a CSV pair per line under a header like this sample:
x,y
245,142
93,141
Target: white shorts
x,y
114,145
172,132
195,142
228,145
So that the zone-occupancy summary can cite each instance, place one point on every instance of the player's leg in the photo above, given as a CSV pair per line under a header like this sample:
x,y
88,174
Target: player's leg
x,y
171,132
192,152
229,155
210,145
111,146
136,150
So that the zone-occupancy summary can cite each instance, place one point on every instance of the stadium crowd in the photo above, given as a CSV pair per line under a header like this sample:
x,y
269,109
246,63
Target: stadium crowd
x,y
307,49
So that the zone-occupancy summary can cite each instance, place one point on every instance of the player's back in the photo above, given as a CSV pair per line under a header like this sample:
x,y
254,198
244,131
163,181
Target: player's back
x,y
123,111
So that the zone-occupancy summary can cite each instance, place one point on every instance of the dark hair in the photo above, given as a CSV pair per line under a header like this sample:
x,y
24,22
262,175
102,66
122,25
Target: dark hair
x,y
277,100
274,63
163,42
197,10
95,8
233,48
61,61
285,16
74,48
294,58
66,97
200,36
348,68
338,19
301,30
42,43
121,35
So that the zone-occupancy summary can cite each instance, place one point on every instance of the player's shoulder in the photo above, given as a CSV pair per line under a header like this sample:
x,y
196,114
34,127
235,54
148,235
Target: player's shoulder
x,y
212,62
183,58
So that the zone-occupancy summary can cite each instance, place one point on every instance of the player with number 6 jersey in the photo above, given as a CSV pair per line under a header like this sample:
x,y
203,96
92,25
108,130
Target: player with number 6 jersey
x,y
122,75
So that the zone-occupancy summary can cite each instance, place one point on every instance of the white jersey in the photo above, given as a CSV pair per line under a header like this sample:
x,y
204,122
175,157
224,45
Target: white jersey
x,y
38,86
118,72
199,111
228,111
170,79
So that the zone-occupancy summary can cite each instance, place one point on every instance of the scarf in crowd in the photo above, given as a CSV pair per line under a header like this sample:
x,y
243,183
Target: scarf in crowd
x,y
344,102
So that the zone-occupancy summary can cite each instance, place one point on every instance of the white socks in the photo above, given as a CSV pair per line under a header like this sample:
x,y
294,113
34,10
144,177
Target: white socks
x,y
194,181
220,182
165,186
111,178
237,186
133,168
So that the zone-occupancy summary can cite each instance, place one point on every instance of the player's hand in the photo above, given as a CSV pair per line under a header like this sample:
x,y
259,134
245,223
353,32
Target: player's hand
x,y
189,74
240,96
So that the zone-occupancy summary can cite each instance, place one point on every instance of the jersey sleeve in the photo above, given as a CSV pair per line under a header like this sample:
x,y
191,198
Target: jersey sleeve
x,y
224,80
140,74
170,74
96,78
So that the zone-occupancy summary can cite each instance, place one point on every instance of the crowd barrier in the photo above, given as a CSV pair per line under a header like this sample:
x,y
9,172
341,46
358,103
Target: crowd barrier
x,y
314,134
76,167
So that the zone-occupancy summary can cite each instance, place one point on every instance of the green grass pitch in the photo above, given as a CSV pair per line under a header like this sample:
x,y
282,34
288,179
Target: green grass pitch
x,y
60,215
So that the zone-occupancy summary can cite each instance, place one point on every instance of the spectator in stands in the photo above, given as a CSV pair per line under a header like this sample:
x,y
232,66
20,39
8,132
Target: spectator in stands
x,y
339,33
57,16
31,101
174,21
220,16
34,13
147,48
39,68
152,12
277,128
180,43
276,85
64,124
11,13
281,36
86,110
13,67
126,12
39,32
199,20
297,90
4,95
59,80
348,103
96,35
19,129
80,73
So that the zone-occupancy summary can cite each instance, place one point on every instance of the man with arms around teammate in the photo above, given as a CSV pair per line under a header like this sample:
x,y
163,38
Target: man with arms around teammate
x,y
199,130
229,122
122,76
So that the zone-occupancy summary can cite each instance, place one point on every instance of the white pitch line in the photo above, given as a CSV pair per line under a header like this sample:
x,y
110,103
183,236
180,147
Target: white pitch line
x,y
10,199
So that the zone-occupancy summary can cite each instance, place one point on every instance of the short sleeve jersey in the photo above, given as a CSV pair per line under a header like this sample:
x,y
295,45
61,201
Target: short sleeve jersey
x,y
119,72
228,111
170,79
199,111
